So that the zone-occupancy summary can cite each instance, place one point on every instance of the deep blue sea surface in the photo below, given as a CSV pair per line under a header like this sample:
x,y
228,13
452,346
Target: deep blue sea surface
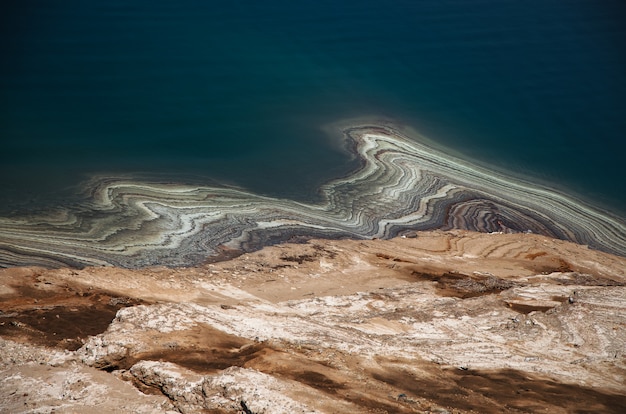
x,y
238,91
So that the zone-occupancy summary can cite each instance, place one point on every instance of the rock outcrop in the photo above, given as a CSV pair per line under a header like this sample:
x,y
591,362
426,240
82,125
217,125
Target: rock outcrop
x,y
453,322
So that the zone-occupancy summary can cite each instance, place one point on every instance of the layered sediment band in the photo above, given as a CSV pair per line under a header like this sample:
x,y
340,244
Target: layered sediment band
x,y
400,184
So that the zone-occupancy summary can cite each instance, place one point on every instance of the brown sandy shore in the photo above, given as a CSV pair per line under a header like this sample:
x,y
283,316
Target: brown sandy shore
x,y
438,321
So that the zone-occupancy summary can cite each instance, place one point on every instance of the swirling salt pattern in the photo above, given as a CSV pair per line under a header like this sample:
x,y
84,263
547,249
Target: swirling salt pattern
x,y
400,184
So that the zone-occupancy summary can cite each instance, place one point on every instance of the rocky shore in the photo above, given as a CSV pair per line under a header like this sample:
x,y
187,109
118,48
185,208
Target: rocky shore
x,y
441,321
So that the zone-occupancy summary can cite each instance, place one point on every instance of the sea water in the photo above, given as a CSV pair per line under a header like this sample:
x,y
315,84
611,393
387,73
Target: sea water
x,y
239,92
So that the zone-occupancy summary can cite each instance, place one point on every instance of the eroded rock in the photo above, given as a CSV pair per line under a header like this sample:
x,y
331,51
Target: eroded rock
x,y
333,326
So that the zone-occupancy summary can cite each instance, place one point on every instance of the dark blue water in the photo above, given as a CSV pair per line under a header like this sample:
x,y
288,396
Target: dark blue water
x,y
237,91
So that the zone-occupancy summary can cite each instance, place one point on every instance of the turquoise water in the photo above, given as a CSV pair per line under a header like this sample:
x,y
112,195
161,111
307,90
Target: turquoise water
x,y
238,91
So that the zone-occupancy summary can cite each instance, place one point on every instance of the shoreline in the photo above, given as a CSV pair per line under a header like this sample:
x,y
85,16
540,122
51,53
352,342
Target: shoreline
x,y
524,175
400,184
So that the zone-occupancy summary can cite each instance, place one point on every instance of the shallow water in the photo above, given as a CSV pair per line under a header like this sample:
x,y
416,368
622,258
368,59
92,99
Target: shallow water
x,y
239,93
